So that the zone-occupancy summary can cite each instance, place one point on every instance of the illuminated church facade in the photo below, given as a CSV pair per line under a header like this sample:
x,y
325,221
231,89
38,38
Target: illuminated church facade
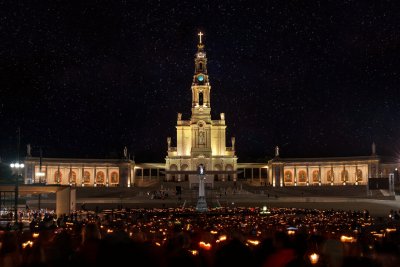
x,y
201,140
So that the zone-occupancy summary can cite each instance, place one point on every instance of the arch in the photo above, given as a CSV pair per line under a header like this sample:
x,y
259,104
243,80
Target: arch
x,y
86,177
344,176
200,66
302,176
201,98
359,175
100,177
217,167
228,167
72,177
288,177
57,177
315,176
184,167
114,177
330,176
173,167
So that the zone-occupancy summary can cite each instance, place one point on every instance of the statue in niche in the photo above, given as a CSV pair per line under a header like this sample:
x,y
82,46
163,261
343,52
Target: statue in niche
x,y
201,138
201,169
277,151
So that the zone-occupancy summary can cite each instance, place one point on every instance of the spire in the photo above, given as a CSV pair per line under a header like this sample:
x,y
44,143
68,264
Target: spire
x,y
200,61
201,105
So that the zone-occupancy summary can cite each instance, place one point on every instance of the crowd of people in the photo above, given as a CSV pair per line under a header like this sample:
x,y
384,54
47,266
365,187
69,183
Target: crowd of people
x,y
261,237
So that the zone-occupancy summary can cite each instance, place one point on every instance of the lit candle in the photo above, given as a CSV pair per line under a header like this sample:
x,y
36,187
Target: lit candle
x,y
314,258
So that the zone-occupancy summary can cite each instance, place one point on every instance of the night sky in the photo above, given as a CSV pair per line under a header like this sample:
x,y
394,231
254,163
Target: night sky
x,y
317,78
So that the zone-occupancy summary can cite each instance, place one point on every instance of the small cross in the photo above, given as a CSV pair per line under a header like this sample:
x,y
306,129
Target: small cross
x,y
200,35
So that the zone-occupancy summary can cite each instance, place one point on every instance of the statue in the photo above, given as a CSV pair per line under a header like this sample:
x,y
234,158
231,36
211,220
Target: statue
x,y
169,143
373,149
125,152
179,116
28,150
201,138
277,151
201,201
201,169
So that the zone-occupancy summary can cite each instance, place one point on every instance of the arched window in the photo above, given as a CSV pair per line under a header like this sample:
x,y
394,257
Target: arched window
x,y
57,177
359,175
288,177
86,177
72,177
201,98
100,177
173,167
330,175
184,167
345,176
315,176
114,178
302,177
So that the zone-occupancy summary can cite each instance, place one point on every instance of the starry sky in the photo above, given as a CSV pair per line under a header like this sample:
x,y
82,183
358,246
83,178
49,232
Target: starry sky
x,y
86,78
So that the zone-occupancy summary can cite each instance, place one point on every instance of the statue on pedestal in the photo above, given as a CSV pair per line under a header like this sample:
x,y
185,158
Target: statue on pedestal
x,y
201,201
277,151
125,153
28,150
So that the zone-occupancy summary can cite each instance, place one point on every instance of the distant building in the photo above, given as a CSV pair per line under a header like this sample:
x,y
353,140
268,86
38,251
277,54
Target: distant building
x,y
201,140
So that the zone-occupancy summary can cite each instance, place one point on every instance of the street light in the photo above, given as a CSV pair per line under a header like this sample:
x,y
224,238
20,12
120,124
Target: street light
x,y
18,166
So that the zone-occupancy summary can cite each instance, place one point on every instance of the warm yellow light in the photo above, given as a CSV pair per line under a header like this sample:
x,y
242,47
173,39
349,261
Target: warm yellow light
x,y
27,243
214,232
391,230
40,174
347,239
314,258
291,232
205,246
253,242
35,235
109,231
221,238
378,235
194,252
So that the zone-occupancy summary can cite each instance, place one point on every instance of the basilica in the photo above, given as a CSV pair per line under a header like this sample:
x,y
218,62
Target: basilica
x,y
201,141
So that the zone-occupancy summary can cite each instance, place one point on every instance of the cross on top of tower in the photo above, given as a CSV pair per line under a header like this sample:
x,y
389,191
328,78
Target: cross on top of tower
x,y
200,34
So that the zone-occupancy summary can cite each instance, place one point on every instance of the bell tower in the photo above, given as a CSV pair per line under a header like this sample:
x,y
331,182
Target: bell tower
x,y
201,105
200,140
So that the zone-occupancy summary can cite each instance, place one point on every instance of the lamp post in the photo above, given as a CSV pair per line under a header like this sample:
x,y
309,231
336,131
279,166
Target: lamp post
x,y
17,166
